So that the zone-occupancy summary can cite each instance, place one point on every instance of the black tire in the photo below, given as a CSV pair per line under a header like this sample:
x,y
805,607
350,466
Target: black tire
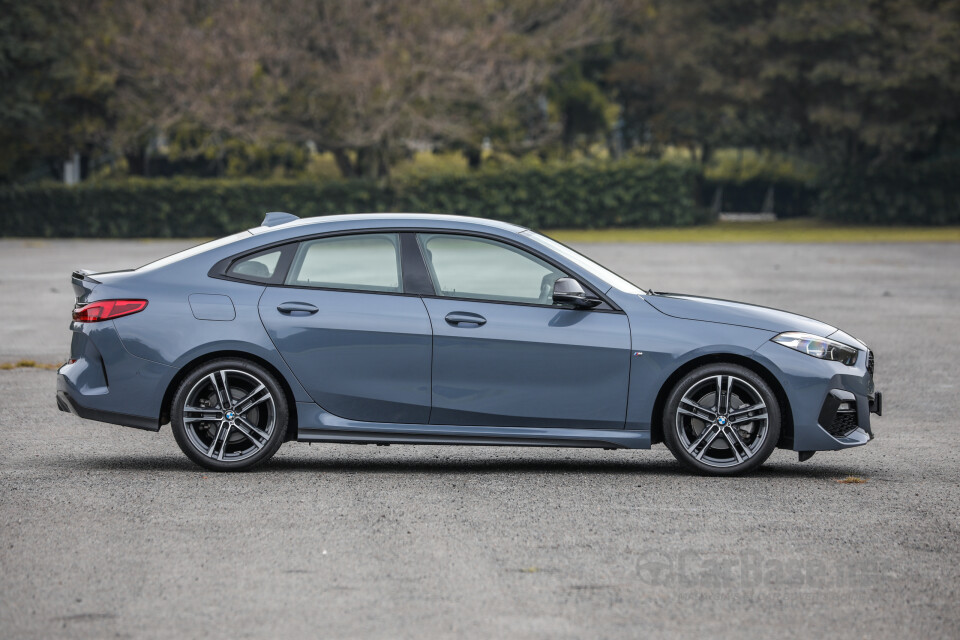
x,y
241,439
721,428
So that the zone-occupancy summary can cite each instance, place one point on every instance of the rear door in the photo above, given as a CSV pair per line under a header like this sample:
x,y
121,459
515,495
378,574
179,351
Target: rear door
x,y
359,345
505,355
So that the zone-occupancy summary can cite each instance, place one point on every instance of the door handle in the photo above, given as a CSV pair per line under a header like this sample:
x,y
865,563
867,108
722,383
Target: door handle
x,y
457,318
291,308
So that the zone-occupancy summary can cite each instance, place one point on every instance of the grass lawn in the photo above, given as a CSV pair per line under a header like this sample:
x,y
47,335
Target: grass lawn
x,y
796,230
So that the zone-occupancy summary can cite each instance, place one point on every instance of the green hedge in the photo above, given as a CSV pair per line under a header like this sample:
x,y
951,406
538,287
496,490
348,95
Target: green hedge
x,y
624,194
923,193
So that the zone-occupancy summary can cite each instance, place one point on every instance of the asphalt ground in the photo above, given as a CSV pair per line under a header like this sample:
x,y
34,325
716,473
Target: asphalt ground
x,y
111,532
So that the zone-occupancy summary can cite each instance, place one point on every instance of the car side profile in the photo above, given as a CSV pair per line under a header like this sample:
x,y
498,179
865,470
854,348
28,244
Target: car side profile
x,y
433,329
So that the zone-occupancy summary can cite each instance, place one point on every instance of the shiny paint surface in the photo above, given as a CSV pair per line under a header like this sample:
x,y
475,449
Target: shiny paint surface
x,y
529,366
735,313
363,356
389,367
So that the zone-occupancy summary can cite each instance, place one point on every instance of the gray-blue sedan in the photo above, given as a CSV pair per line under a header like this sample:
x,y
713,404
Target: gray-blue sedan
x,y
430,329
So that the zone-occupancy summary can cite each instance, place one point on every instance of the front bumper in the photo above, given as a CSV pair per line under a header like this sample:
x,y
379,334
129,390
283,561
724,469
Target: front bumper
x,y
876,403
830,402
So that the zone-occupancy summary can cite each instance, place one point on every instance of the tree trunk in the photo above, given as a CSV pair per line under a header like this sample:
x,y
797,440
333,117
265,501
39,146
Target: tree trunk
x,y
344,164
474,157
137,163
366,162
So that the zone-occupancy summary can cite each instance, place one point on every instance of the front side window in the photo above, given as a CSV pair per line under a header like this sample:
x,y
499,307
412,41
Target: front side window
x,y
364,262
482,269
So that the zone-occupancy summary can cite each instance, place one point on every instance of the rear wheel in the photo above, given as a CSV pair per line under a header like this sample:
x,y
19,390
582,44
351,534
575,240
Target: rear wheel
x,y
721,419
229,415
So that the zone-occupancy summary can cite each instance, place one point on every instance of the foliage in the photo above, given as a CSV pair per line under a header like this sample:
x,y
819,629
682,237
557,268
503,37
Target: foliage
x,y
905,193
625,194
743,165
804,230
863,91
54,93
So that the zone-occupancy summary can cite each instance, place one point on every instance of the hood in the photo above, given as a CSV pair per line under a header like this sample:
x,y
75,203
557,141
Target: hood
x,y
738,313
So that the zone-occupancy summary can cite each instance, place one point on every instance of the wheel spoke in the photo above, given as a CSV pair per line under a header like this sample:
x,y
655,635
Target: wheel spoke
x,y
706,445
747,409
226,388
732,444
728,395
226,436
246,428
207,414
733,437
696,410
189,409
747,419
250,400
213,445
222,397
703,436
719,393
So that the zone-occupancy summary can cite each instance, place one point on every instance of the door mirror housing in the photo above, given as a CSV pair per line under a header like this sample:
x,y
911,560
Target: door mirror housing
x,y
569,291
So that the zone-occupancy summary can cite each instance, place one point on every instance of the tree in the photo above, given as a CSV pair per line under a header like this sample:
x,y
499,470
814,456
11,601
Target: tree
x,y
853,81
359,78
54,94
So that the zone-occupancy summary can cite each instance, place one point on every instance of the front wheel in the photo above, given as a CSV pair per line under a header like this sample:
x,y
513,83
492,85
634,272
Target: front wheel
x,y
229,415
721,419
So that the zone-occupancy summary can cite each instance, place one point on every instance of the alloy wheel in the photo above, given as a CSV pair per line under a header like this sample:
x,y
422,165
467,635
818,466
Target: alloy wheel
x,y
229,415
722,421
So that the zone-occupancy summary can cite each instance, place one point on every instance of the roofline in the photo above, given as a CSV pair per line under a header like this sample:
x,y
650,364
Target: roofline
x,y
397,217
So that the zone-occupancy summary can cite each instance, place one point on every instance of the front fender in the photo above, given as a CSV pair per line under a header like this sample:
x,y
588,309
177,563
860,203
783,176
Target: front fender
x,y
662,344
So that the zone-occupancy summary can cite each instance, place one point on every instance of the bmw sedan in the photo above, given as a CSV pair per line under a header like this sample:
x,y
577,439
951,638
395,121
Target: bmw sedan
x,y
430,329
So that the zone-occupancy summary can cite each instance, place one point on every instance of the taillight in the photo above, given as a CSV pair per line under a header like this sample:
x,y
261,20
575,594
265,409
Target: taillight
x,y
107,310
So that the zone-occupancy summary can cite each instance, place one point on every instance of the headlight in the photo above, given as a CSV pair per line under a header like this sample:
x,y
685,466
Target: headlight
x,y
818,347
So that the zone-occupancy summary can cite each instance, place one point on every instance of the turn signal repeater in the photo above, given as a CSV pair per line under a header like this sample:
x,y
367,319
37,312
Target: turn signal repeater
x,y
108,310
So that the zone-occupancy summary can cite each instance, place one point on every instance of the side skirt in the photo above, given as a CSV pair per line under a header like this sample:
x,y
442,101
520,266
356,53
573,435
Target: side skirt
x,y
316,425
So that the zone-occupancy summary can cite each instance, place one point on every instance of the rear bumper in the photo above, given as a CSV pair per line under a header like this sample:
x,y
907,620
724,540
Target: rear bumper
x,y
103,382
67,403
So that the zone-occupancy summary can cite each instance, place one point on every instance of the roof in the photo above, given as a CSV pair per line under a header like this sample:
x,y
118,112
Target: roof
x,y
400,219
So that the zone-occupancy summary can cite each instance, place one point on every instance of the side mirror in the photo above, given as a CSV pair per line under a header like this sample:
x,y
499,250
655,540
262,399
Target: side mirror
x,y
569,291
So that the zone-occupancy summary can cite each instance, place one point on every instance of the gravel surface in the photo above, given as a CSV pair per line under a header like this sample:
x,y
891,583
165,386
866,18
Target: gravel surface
x,y
111,532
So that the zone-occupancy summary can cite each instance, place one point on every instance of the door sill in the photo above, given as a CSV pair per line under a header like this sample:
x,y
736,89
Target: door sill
x,y
317,425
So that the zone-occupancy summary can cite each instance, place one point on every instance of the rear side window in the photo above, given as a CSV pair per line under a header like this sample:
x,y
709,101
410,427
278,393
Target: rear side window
x,y
364,262
260,267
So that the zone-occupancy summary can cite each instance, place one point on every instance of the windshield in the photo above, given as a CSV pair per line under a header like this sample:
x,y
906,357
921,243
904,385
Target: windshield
x,y
585,263
192,251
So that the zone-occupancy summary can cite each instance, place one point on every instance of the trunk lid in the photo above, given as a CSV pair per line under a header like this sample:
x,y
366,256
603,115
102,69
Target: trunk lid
x,y
83,283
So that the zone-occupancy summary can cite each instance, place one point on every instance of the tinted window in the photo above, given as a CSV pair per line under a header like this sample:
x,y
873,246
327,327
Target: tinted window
x,y
367,262
481,269
259,267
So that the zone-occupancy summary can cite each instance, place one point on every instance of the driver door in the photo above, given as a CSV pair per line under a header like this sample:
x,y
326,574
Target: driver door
x,y
505,355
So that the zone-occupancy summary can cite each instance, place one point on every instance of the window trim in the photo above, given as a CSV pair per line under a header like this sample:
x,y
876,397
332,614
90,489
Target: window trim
x,y
422,238
220,268
301,248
